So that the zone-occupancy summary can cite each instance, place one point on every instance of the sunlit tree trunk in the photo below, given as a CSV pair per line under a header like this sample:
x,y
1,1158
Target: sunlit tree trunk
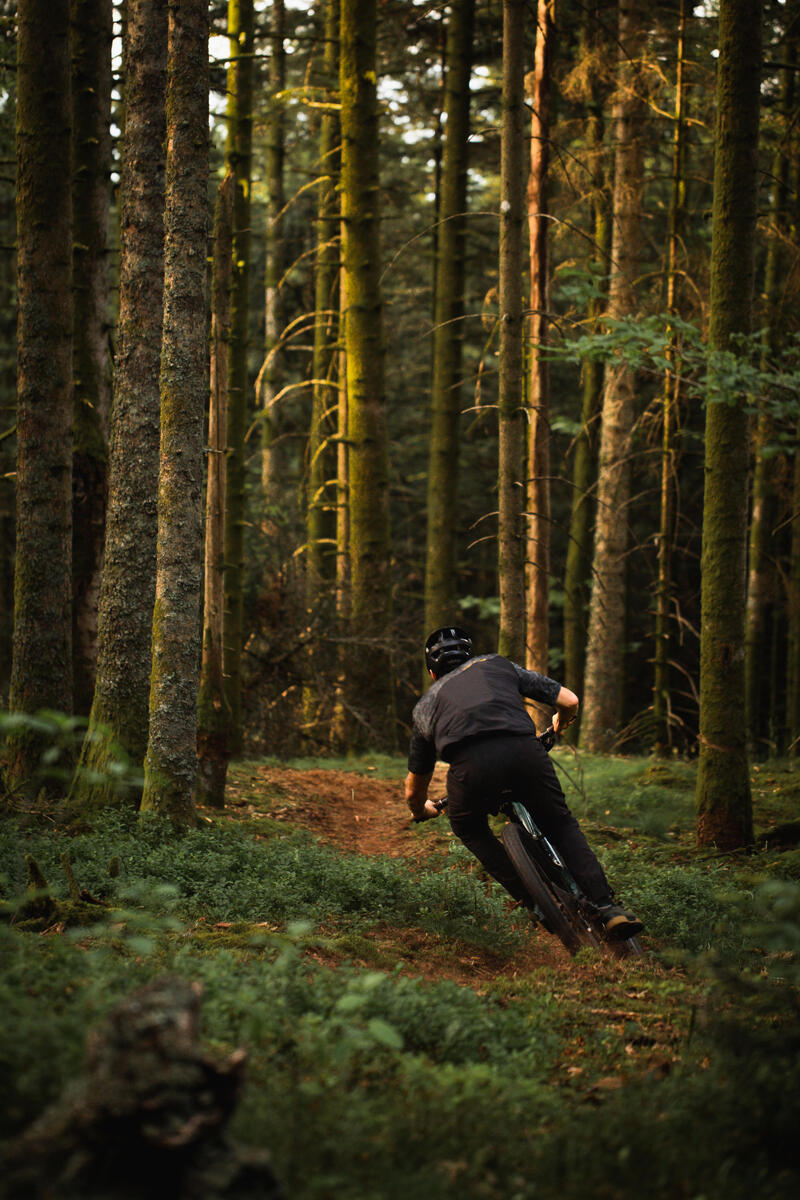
x,y
606,638
762,582
321,521
125,616
594,42
41,674
511,539
171,760
669,408
340,723
724,807
270,377
321,499
441,592
370,674
538,516
238,154
91,28
213,713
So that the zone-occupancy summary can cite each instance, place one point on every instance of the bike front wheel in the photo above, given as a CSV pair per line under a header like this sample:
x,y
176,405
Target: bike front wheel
x,y
558,910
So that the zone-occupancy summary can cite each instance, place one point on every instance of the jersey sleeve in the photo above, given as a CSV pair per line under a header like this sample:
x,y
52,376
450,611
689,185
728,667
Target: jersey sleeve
x,y
536,686
421,754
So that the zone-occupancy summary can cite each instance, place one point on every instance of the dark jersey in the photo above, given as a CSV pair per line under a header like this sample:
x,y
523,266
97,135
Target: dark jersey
x,y
480,698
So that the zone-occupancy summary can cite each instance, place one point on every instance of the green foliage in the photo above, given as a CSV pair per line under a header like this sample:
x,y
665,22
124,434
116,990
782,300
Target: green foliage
x,y
61,737
367,1082
223,874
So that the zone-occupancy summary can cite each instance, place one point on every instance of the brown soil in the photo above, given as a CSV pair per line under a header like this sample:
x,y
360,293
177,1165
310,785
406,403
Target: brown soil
x,y
369,816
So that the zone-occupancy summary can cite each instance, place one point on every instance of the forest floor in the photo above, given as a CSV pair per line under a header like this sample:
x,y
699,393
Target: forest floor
x,y
367,815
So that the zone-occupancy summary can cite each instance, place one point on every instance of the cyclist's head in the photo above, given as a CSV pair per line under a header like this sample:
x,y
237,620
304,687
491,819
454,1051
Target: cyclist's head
x,y
446,649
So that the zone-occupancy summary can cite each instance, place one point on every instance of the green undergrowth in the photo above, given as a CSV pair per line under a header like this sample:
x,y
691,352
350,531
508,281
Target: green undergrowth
x,y
222,873
671,1075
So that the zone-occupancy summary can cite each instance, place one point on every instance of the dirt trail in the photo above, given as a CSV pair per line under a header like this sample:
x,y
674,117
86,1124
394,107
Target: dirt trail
x,y
369,816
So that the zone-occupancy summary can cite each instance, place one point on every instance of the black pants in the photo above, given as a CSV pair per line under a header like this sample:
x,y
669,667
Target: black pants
x,y
481,770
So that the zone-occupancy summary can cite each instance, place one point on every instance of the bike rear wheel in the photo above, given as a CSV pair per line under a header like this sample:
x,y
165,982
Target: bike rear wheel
x,y
556,906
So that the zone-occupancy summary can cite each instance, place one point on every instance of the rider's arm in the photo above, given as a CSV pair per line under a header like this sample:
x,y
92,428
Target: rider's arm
x,y
566,709
417,795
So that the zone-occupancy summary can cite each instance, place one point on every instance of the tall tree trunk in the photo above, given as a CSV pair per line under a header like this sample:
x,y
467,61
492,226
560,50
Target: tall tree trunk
x,y
594,42
120,706
271,375
661,651
171,760
320,521
538,518
321,496
91,30
511,539
238,153
724,807
41,674
339,721
606,640
793,599
213,713
441,594
370,676
762,574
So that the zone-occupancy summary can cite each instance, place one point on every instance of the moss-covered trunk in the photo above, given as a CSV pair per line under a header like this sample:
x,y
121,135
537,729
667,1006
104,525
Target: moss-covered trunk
x,y
238,154
577,567
510,487
538,517
125,616
41,675
606,638
213,713
171,760
91,29
441,589
370,671
724,807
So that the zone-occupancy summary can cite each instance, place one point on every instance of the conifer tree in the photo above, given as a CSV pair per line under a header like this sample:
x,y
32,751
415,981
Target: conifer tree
x,y
238,154
538,498
120,706
606,639
448,334
41,675
91,29
510,540
370,669
171,760
724,805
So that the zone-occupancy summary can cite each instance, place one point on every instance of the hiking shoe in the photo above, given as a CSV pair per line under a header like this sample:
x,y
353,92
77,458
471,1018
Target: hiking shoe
x,y
619,924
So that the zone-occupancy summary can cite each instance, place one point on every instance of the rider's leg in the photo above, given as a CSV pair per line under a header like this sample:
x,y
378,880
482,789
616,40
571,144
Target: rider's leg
x,y
536,785
471,783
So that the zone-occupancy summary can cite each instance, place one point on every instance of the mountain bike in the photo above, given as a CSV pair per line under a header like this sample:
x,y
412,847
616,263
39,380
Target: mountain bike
x,y
556,901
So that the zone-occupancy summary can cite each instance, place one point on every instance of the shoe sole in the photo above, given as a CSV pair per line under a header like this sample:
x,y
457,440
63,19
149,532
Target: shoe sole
x,y
619,929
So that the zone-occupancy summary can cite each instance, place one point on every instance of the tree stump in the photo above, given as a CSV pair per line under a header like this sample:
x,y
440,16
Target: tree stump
x,y
148,1118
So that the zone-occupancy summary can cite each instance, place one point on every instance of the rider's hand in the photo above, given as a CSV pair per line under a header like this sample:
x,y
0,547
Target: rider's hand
x,y
430,810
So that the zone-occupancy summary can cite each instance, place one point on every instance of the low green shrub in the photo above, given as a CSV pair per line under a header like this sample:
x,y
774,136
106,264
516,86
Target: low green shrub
x,y
224,874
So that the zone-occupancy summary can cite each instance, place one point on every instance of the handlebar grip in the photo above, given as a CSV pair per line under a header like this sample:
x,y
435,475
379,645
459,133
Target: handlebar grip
x,y
548,738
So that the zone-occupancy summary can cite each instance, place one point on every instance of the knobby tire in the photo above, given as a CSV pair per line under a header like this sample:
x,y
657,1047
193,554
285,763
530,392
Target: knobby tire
x,y
555,911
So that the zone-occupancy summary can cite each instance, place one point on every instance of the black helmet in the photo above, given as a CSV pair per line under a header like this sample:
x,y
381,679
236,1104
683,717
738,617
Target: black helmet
x,y
446,649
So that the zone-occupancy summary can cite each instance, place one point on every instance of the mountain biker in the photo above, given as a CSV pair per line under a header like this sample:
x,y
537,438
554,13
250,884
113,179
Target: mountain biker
x,y
473,718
